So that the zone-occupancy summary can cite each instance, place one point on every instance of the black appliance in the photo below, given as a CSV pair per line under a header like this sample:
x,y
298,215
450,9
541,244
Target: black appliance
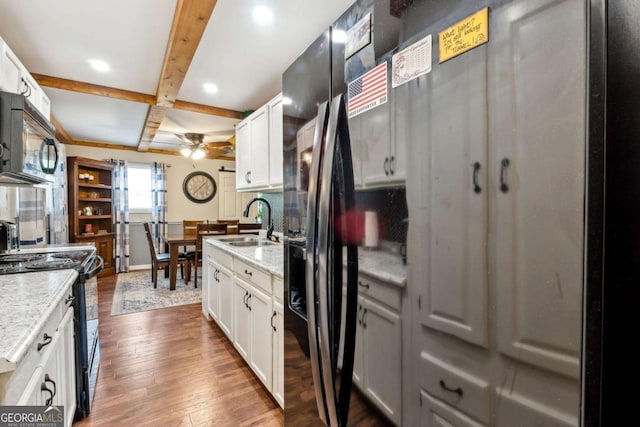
x,y
28,154
8,236
87,344
504,143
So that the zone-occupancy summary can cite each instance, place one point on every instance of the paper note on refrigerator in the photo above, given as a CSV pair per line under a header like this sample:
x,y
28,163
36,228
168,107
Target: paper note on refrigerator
x,y
464,35
412,62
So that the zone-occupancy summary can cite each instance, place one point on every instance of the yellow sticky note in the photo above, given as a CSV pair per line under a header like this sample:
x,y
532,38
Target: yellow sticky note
x,y
464,35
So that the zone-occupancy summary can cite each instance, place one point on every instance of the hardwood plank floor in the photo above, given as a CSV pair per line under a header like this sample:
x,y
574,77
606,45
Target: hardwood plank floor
x,y
171,367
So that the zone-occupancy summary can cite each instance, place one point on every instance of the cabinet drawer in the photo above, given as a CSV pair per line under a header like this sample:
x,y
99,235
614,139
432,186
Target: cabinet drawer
x,y
383,292
278,288
221,258
253,275
452,385
435,413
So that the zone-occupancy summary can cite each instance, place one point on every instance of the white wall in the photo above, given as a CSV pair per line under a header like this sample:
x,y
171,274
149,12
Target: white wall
x,y
178,206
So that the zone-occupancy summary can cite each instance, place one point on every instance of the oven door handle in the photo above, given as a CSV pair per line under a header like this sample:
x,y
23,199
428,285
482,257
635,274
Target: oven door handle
x,y
98,265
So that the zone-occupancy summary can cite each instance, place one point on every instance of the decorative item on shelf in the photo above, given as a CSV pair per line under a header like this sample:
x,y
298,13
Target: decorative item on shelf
x,y
86,177
88,211
99,211
93,194
88,229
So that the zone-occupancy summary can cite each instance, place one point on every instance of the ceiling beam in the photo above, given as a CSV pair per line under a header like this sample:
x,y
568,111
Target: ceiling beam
x,y
128,95
61,133
96,144
189,22
92,89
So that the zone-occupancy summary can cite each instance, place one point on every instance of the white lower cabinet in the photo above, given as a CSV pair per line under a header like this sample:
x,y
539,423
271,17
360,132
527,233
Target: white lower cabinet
x,y
277,324
246,303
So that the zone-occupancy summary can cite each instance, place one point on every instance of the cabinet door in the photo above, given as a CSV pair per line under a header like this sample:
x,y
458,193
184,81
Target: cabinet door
x,y
243,154
454,293
104,248
275,142
277,322
227,307
213,291
45,104
261,333
241,318
67,367
435,413
31,396
358,358
375,132
398,152
539,128
259,175
33,93
382,355
10,73
51,376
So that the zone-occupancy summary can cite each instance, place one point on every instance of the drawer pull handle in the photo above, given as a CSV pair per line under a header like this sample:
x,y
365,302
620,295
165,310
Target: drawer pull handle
x,y
476,187
504,164
457,391
364,285
48,379
272,317
248,273
49,401
364,318
359,318
46,340
246,295
249,302
69,300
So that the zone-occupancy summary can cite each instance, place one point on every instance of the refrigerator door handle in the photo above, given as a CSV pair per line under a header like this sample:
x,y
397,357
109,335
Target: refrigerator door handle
x,y
311,266
337,129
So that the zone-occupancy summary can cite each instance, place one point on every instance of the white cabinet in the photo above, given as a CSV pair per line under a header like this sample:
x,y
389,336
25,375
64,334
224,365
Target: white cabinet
x,y
252,155
259,149
241,318
225,286
15,78
260,306
377,369
67,366
501,253
380,134
275,142
277,324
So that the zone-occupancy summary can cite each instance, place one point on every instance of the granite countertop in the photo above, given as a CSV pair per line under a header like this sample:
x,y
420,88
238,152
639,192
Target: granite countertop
x,y
383,266
28,299
269,258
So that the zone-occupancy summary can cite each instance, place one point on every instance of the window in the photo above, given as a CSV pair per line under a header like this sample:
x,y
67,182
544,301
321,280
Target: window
x,y
139,182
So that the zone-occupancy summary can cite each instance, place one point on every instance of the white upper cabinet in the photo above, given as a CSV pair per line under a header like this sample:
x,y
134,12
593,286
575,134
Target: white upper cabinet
x,y
259,149
15,78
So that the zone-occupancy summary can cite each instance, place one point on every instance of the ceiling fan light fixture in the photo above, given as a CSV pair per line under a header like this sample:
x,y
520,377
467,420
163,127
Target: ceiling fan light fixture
x,y
185,152
198,154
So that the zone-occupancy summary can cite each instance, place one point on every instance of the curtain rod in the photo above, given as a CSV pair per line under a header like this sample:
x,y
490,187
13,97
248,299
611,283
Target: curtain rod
x,y
222,169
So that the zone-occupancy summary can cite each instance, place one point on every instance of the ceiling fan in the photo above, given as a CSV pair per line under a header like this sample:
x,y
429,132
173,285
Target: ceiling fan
x,y
196,148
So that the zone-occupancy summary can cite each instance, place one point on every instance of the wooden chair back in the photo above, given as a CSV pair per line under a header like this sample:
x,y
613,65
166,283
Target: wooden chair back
x,y
232,224
189,226
249,228
152,249
204,230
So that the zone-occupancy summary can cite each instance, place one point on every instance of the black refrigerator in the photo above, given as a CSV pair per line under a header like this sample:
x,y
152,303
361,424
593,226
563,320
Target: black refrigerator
x,y
445,174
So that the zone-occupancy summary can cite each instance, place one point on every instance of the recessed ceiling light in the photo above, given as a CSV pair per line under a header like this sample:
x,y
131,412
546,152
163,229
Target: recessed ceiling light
x,y
286,100
99,65
262,15
339,36
210,88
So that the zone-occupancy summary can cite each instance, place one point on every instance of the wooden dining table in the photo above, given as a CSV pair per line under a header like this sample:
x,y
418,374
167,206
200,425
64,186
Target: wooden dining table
x,y
173,242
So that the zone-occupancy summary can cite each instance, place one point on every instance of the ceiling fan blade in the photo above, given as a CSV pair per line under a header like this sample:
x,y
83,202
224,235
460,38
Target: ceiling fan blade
x,y
218,144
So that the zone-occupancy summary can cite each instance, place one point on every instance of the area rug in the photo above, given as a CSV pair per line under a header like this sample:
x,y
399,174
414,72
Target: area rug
x,y
135,292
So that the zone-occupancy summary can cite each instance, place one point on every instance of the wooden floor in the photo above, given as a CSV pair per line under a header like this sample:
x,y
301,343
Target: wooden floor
x,y
171,367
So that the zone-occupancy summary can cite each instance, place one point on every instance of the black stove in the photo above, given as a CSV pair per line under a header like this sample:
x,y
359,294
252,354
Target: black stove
x,y
28,262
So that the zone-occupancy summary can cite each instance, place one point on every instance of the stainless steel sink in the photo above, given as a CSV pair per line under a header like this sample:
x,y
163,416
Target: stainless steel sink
x,y
255,242
231,240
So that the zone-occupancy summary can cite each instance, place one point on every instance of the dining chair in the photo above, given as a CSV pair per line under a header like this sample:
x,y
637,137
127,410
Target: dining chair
x,y
232,224
189,228
203,230
249,228
159,261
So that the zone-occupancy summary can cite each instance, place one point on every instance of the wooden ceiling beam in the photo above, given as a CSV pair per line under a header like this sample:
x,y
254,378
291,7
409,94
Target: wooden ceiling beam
x,y
127,95
96,144
92,89
189,22
61,133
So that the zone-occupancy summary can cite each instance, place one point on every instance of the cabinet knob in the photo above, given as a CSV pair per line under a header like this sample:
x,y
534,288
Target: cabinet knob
x,y
476,187
69,300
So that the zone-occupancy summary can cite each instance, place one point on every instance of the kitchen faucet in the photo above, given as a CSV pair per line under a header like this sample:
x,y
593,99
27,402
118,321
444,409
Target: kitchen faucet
x,y
269,221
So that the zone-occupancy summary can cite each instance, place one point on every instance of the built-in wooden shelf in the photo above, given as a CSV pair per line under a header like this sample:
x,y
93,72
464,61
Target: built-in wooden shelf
x,y
99,199
100,186
95,217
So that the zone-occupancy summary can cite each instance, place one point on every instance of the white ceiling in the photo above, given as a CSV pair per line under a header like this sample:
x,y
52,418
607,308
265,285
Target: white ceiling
x,y
245,60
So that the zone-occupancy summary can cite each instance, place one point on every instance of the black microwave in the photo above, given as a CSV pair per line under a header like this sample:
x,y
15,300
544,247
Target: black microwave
x,y
28,153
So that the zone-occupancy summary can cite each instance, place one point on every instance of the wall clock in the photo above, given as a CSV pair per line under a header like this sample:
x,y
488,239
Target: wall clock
x,y
199,187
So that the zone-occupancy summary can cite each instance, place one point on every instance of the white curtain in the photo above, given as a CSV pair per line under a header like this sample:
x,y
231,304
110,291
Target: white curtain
x,y
121,216
159,200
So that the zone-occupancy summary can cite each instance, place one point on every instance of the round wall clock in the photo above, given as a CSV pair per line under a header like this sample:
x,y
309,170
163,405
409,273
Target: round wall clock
x,y
199,187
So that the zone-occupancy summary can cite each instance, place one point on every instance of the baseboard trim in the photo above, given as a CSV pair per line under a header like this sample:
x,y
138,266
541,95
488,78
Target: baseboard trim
x,y
140,267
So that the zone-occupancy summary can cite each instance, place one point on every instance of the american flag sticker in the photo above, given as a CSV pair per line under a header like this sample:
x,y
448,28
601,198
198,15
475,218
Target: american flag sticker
x,y
367,91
